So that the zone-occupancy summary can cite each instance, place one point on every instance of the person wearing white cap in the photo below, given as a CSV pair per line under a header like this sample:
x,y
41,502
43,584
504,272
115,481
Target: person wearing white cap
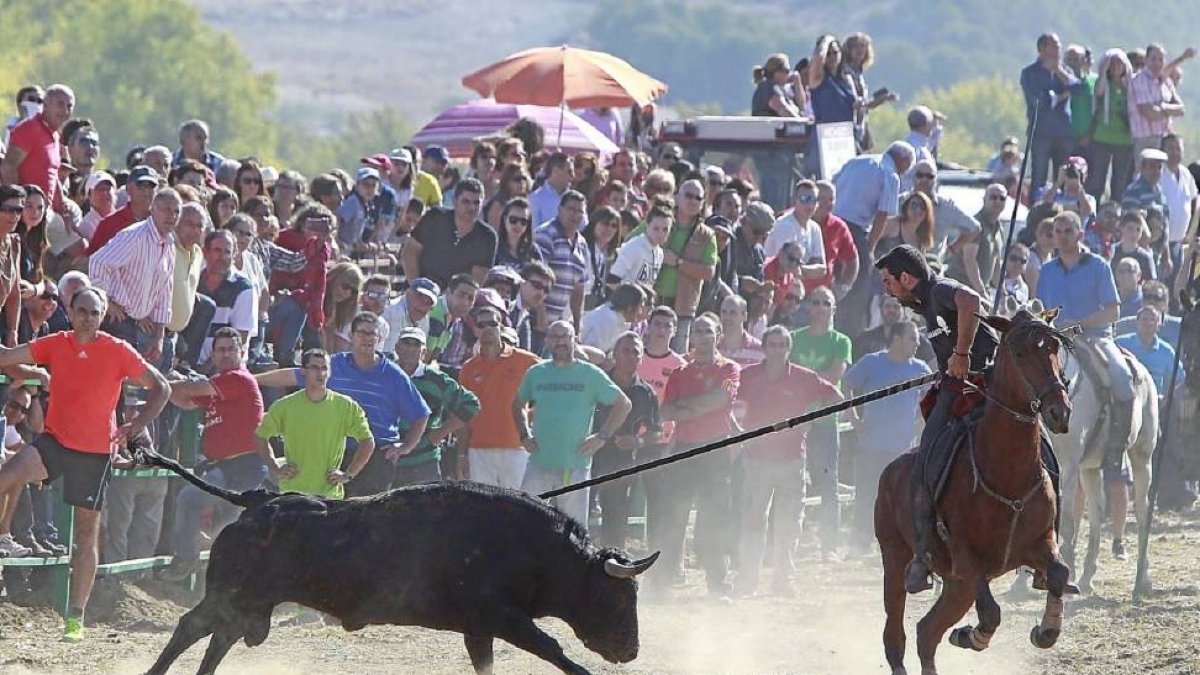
x,y
1146,189
410,310
101,190
357,211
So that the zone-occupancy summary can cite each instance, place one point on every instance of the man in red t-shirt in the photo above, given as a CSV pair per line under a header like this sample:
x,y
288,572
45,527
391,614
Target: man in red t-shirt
x,y
699,400
81,438
841,255
233,410
33,150
774,464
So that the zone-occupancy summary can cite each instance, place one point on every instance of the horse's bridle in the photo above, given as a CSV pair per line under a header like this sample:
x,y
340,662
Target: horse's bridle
x,y
1057,382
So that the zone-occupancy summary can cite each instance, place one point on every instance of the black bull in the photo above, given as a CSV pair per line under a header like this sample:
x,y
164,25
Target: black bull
x,y
463,557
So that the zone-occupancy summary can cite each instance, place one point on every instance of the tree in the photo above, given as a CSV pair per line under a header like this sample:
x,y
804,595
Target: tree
x,y
141,69
979,114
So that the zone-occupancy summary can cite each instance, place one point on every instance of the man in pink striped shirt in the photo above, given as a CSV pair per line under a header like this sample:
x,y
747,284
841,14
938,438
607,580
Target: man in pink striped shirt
x,y
1153,102
137,269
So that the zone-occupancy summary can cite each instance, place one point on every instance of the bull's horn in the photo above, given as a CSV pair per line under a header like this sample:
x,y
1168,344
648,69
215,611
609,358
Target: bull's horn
x,y
623,571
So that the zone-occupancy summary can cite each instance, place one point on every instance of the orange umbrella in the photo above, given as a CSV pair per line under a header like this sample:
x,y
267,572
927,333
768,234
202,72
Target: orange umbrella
x,y
578,78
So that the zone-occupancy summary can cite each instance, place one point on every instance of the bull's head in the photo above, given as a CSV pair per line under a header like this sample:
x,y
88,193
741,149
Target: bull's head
x,y
608,624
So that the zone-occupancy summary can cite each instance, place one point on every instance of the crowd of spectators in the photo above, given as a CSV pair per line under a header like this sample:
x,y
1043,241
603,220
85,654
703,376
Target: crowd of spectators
x,y
531,318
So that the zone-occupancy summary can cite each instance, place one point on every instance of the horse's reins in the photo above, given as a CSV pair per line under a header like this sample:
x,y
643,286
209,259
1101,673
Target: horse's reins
x,y
1017,506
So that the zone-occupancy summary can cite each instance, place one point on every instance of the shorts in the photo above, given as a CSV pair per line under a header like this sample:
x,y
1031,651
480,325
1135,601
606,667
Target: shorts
x,y
85,474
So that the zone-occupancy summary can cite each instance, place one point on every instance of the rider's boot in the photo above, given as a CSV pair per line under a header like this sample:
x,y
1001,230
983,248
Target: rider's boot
x,y
917,577
1120,425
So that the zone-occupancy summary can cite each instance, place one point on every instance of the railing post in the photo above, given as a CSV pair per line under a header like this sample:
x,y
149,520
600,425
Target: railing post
x,y
65,522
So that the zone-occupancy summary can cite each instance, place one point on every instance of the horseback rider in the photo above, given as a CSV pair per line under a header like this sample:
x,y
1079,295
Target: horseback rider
x,y
1082,284
962,344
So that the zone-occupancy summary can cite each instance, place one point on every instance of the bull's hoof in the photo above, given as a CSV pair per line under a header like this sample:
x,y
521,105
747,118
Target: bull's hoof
x,y
928,670
1043,639
966,637
1071,589
899,670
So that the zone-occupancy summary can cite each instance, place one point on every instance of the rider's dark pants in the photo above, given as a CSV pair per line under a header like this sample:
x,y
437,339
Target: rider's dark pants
x,y
939,418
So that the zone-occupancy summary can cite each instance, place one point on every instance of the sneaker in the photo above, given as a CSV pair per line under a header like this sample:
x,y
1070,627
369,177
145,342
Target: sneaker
x,y
73,631
53,546
9,548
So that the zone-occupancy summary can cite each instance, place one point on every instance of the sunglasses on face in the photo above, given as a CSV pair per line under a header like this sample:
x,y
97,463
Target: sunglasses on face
x,y
53,297
251,181
997,198
807,199
692,196
518,220
1017,258
487,324
12,208
376,295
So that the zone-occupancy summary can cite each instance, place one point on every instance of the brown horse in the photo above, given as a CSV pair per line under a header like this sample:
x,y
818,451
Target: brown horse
x,y
998,504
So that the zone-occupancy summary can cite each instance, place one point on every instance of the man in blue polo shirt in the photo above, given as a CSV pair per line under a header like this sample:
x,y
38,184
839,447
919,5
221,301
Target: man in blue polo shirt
x,y
382,389
1152,351
1082,285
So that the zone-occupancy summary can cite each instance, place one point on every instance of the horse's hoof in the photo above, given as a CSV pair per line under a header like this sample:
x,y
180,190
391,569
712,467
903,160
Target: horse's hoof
x,y
964,638
1144,584
1043,639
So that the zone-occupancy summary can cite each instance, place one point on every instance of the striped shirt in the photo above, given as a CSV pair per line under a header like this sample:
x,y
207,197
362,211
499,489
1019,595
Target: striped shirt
x,y
137,270
570,262
1146,89
446,398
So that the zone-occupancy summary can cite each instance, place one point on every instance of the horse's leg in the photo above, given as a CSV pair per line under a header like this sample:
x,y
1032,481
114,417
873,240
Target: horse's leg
x,y
956,598
895,562
979,637
1094,493
1140,456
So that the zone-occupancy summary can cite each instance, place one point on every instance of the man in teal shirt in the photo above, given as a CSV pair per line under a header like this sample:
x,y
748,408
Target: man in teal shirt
x,y
565,393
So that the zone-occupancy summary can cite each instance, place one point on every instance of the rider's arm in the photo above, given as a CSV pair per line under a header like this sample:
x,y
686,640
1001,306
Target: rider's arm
x,y
967,303
1102,317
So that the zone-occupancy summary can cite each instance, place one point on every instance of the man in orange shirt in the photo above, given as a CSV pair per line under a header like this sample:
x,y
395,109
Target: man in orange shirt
x,y
89,368
496,455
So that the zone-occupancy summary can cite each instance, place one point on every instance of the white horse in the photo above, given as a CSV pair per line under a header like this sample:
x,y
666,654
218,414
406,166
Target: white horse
x,y
1081,454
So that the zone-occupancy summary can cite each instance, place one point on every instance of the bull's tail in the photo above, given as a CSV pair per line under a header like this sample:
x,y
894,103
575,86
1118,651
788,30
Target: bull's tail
x,y
247,499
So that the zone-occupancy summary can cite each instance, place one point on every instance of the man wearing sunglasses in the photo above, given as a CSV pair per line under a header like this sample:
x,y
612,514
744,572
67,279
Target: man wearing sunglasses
x,y
385,393
798,227
977,262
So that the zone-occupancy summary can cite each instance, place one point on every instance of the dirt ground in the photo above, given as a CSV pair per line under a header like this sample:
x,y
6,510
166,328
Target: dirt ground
x,y
832,628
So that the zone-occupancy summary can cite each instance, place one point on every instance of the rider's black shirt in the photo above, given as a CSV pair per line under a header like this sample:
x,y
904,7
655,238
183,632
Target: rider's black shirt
x,y
934,301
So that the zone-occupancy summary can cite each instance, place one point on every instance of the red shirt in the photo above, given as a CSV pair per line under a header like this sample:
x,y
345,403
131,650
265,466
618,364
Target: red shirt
x,y
87,386
839,247
109,226
768,401
308,285
783,281
700,378
232,416
42,156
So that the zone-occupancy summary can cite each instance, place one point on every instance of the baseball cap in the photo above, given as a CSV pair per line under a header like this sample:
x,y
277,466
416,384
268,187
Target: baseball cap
x,y
759,216
488,297
98,177
413,333
504,273
426,287
365,173
379,161
144,174
1153,155
1010,141
437,152
401,155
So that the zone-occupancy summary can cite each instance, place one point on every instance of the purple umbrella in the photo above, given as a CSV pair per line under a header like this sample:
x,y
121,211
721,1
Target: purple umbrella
x,y
459,127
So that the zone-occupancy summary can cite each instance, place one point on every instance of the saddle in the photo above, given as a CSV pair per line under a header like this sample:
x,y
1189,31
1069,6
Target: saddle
x,y
937,461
